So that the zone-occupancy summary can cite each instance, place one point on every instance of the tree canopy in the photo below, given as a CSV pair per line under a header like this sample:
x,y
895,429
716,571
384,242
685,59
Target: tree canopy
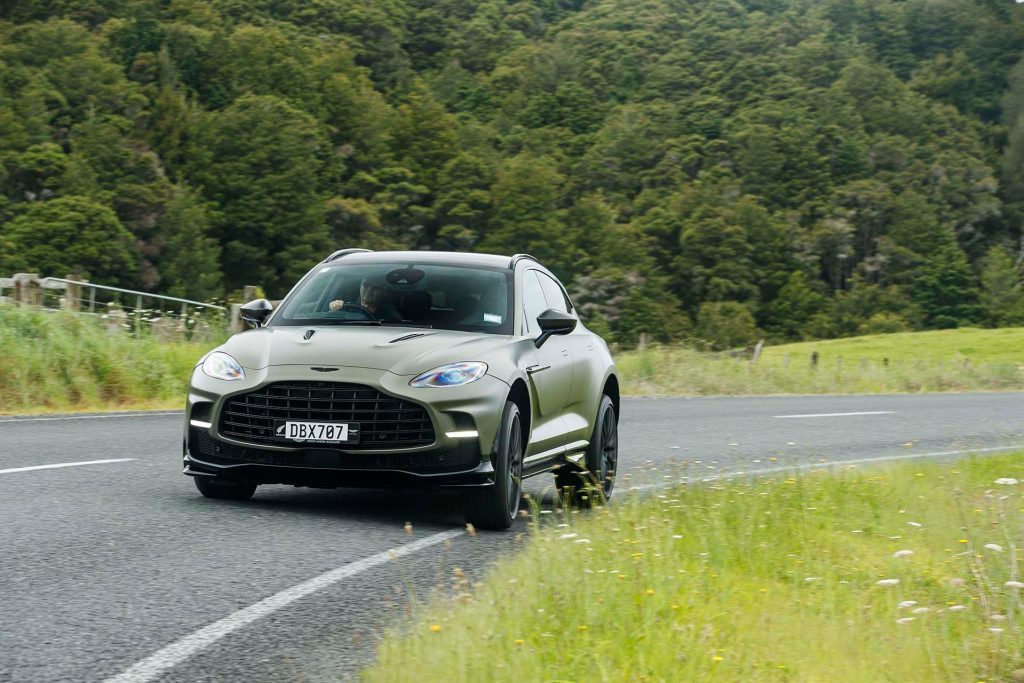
x,y
727,169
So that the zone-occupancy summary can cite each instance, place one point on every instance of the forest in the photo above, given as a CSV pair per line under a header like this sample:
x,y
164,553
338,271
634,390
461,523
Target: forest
x,y
715,170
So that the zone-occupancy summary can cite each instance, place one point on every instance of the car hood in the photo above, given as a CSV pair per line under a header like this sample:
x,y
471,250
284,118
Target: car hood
x,y
403,351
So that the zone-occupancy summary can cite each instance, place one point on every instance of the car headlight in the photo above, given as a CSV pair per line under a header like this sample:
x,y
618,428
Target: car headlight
x,y
220,365
451,375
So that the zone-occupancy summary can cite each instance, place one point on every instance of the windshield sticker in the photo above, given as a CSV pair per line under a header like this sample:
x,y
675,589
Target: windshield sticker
x,y
491,318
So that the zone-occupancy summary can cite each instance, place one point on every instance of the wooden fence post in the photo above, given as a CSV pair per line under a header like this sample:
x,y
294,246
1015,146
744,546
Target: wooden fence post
x,y
27,290
72,293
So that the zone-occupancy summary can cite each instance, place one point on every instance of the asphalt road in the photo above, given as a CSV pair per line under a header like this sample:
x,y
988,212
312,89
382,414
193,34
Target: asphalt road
x,y
102,565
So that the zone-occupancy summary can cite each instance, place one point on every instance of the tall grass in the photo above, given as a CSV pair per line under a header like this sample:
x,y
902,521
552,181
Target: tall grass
x,y
673,371
907,573
60,361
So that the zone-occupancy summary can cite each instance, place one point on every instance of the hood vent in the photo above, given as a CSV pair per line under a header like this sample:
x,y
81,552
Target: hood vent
x,y
408,336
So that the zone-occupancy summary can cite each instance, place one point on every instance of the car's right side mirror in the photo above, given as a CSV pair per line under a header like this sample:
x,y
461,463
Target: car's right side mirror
x,y
256,312
553,321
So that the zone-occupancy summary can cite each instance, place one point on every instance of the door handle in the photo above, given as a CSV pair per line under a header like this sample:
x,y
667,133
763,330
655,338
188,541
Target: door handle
x,y
537,368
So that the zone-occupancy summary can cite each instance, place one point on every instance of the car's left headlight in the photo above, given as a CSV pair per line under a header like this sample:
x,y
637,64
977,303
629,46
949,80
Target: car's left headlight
x,y
451,375
220,365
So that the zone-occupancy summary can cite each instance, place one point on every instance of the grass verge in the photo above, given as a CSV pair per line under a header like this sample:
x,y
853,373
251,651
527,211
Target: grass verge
x,y
893,573
56,362
942,360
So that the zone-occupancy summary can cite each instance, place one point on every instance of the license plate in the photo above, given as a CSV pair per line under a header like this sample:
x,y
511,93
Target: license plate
x,y
317,432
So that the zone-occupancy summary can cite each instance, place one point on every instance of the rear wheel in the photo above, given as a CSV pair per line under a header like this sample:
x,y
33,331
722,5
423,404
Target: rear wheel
x,y
589,486
224,489
495,507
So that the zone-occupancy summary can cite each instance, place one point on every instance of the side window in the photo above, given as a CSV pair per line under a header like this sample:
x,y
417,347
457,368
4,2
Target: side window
x,y
534,302
555,296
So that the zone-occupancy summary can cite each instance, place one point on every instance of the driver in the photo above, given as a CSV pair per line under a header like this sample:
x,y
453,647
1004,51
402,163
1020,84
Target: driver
x,y
373,297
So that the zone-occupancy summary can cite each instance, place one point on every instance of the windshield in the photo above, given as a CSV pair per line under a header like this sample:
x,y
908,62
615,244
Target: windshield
x,y
467,298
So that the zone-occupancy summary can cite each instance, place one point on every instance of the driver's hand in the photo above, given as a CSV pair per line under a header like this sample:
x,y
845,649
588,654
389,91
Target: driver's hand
x,y
337,304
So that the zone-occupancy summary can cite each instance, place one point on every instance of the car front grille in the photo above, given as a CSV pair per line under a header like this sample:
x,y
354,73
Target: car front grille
x,y
384,421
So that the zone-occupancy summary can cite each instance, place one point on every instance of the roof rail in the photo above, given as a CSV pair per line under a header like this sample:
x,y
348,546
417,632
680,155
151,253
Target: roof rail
x,y
345,252
519,257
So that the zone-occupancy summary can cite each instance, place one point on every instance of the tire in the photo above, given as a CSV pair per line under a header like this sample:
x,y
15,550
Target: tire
x,y
221,489
495,507
595,484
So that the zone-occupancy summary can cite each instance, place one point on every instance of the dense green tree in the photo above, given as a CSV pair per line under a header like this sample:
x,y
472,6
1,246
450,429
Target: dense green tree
x,y
1001,293
68,235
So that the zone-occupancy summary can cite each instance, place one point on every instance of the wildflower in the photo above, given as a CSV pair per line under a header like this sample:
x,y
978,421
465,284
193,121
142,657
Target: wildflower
x,y
995,629
997,617
1014,584
921,610
520,641
717,658
956,582
903,553
650,591
677,536
956,608
914,524
435,628
905,620
583,627
994,546
907,603
887,582
812,578
1006,481
565,536
582,540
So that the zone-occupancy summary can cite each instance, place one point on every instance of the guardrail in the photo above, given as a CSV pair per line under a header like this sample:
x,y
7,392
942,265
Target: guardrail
x,y
122,309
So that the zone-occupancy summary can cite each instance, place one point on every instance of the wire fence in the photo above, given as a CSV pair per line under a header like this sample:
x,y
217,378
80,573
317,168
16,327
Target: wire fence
x,y
122,310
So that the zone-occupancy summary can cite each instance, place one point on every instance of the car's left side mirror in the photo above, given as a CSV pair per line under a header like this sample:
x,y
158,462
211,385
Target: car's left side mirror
x,y
256,312
552,322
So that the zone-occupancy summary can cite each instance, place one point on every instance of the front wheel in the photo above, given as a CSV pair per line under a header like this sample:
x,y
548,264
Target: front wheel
x,y
495,507
215,487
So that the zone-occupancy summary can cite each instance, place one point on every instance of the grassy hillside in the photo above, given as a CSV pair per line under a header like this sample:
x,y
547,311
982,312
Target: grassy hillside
x,y
942,360
55,362
907,573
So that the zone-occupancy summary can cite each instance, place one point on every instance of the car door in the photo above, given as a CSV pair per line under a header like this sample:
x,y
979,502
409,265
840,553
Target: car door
x,y
549,370
580,404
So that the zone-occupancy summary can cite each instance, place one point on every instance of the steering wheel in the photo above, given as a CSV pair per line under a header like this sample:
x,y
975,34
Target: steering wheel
x,y
356,308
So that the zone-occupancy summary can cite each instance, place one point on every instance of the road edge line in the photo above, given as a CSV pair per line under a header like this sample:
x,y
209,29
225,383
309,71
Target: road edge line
x,y
183,648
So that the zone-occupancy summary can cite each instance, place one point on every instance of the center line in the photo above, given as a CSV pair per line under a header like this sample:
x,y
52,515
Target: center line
x,y
64,464
180,650
868,412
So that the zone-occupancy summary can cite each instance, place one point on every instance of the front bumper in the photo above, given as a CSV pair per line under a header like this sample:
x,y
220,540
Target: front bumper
x,y
450,461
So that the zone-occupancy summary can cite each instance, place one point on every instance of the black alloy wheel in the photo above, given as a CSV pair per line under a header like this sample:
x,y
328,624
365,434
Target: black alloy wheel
x,y
496,506
595,483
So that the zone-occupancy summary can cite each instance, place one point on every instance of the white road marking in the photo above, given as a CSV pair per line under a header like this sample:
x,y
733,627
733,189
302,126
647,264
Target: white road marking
x,y
64,464
823,465
91,417
180,650
868,412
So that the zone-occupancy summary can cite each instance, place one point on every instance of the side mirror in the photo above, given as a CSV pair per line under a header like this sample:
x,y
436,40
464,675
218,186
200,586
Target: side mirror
x,y
256,312
552,322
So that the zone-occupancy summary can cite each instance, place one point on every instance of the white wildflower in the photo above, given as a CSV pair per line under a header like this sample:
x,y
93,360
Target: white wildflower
x,y
582,540
903,553
956,608
813,578
915,524
1014,584
905,620
565,536
1006,481
907,603
997,617
887,582
994,546
921,610
995,629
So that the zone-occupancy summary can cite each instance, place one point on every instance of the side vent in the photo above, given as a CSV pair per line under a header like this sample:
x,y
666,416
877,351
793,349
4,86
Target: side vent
x,y
408,336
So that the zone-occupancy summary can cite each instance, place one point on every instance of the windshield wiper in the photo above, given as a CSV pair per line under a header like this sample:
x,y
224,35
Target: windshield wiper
x,y
392,323
349,322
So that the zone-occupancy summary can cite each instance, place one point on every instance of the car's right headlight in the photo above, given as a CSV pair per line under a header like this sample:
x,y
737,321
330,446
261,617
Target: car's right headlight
x,y
220,365
451,375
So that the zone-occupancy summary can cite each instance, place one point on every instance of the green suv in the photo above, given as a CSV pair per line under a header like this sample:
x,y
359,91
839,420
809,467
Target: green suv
x,y
395,369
